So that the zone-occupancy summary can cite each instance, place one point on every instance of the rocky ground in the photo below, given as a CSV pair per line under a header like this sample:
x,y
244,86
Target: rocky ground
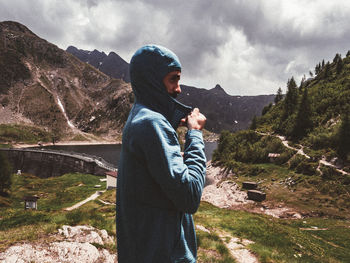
x,y
218,192
227,194
9,117
71,244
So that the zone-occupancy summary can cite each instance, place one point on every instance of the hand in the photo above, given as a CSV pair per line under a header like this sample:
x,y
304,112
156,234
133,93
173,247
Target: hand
x,y
196,120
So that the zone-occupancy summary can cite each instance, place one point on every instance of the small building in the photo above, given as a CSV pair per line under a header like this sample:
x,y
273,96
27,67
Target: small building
x,y
30,202
111,177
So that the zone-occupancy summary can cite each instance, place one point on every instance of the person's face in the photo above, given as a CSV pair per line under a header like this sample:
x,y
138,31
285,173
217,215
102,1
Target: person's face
x,y
171,83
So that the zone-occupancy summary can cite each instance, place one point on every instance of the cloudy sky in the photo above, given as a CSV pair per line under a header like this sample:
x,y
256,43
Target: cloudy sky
x,y
249,47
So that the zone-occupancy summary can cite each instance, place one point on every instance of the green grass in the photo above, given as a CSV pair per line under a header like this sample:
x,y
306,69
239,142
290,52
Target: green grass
x,y
212,249
109,196
56,193
79,137
313,195
22,133
280,240
5,145
275,240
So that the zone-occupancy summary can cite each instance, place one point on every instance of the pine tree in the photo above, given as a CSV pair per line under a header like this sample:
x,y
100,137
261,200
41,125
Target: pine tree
x,y
343,136
318,69
327,70
322,64
303,119
336,58
339,67
279,95
311,74
266,109
291,98
253,124
5,174
348,53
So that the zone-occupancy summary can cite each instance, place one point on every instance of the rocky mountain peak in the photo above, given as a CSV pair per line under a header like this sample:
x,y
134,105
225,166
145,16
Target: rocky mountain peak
x,y
112,65
218,90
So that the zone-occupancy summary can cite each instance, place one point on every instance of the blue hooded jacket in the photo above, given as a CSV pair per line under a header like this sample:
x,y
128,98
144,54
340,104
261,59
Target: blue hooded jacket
x,y
157,189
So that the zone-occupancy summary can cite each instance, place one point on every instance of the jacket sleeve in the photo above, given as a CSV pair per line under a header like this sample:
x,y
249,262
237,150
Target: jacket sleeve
x,y
180,178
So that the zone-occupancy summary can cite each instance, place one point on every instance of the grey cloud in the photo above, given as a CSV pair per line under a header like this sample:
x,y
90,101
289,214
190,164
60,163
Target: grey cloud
x,y
197,31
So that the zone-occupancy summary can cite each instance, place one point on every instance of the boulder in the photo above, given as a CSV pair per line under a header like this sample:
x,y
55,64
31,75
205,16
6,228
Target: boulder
x,y
256,195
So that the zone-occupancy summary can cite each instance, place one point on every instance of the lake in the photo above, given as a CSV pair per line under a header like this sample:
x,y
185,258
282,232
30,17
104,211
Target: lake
x,y
111,152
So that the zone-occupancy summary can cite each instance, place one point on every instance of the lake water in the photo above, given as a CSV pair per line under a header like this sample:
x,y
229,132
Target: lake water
x,y
111,152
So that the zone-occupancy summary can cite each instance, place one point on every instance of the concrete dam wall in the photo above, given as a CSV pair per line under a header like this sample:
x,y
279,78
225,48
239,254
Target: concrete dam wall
x,y
45,164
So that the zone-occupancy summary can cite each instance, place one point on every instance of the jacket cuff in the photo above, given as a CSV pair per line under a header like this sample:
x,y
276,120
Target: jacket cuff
x,y
191,134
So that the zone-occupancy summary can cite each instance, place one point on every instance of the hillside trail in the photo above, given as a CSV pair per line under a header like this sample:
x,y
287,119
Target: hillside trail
x,y
237,246
90,198
301,152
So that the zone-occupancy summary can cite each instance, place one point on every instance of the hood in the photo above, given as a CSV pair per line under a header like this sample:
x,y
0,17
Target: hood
x,y
148,67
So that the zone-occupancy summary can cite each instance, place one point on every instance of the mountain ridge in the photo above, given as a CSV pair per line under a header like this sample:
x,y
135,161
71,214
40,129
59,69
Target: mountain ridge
x,y
211,102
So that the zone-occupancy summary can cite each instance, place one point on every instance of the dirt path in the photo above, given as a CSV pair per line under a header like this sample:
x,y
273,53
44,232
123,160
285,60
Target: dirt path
x,y
301,152
236,246
92,197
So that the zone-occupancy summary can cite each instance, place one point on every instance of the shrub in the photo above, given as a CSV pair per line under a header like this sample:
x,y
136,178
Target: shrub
x,y
296,160
75,217
307,168
329,173
284,157
254,171
5,174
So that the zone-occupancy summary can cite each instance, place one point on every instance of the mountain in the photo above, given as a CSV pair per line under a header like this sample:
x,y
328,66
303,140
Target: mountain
x,y
45,86
223,112
112,65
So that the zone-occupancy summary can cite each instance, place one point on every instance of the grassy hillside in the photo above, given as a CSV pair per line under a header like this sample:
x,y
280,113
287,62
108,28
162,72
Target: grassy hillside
x,y
23,133
314,118
275,240
315,113
55,193
293,179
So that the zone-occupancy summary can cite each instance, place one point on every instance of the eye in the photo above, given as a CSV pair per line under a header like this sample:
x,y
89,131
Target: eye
x,y
175,78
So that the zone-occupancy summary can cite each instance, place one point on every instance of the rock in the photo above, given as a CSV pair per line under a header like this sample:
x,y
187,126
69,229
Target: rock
x,y
76,248
85,234
256,195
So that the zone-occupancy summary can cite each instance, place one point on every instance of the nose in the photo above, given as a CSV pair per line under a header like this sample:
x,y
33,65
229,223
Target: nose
x,y
178,89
